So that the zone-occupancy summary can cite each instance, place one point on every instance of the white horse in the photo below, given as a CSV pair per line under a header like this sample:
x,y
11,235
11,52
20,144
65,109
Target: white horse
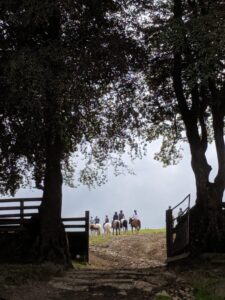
x,y
95,228
107,228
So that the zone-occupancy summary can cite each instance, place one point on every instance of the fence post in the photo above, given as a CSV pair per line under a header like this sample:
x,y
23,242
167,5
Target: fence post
x,y
169,231
87,218
21,212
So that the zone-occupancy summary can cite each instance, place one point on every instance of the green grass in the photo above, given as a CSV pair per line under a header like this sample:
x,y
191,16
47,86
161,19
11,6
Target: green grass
x,y
101,239
148,231
208,288
154,230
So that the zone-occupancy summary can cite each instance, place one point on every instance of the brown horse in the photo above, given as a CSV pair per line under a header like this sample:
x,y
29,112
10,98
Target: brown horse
x,y
116,226
135,224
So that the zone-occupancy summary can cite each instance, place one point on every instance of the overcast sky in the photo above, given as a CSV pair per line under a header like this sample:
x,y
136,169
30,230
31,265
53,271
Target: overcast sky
x,y
150,191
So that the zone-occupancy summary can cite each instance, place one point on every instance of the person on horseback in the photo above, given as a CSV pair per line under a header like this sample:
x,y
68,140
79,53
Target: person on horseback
x,y
92,220
106,219
135,215
135,222
97,220
116,223
121,215
115,217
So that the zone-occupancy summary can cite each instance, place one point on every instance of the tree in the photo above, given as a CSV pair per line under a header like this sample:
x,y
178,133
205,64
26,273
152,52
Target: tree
x,y
185,75
59,60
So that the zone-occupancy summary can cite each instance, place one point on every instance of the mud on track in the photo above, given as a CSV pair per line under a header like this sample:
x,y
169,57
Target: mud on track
x,y
130,251
122,267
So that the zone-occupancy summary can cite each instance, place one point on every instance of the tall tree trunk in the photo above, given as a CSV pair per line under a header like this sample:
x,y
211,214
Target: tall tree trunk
x,y
52,239
207,222
207,219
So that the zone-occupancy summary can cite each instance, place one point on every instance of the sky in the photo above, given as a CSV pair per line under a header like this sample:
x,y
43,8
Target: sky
x,y
150,191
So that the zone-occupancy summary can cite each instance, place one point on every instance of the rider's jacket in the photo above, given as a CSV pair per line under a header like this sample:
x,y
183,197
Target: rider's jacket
x,y
115,217
121,216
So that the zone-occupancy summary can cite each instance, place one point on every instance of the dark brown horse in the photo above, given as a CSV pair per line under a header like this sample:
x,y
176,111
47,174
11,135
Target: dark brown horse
x,y
124,225
135,224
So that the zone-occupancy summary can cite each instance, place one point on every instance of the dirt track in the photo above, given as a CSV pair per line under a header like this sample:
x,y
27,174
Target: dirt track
x,y
130,251
124,267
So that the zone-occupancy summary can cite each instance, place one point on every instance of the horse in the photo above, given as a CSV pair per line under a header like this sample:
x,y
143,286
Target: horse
x,y
116,226
95,228
135,224
107,228
124,224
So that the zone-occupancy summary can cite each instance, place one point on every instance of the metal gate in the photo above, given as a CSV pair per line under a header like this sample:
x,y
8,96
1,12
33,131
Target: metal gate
x,y
177,229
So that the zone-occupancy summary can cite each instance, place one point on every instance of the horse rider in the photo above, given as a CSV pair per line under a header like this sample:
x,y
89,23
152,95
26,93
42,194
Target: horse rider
x,y
115,217
121,215
106,220
92,220
97,220
135,215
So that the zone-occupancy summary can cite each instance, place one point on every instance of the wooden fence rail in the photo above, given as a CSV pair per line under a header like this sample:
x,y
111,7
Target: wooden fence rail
x,y
19,211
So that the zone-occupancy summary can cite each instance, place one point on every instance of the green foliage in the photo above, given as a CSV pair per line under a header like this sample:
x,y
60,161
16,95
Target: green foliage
x,y
100,76
63,63
194,31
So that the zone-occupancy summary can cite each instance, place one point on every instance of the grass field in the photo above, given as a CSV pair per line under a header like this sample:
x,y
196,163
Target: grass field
x,y
99,239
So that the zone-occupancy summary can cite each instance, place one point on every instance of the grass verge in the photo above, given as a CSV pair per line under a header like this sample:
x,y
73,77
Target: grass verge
x,y
209,288
101,239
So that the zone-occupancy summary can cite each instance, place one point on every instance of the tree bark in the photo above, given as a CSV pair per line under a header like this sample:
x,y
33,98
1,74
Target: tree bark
x,y
52,240
207,220
52,244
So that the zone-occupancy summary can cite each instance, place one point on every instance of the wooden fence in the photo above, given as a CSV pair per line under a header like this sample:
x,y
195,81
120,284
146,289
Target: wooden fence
x,y
177,231
16,213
